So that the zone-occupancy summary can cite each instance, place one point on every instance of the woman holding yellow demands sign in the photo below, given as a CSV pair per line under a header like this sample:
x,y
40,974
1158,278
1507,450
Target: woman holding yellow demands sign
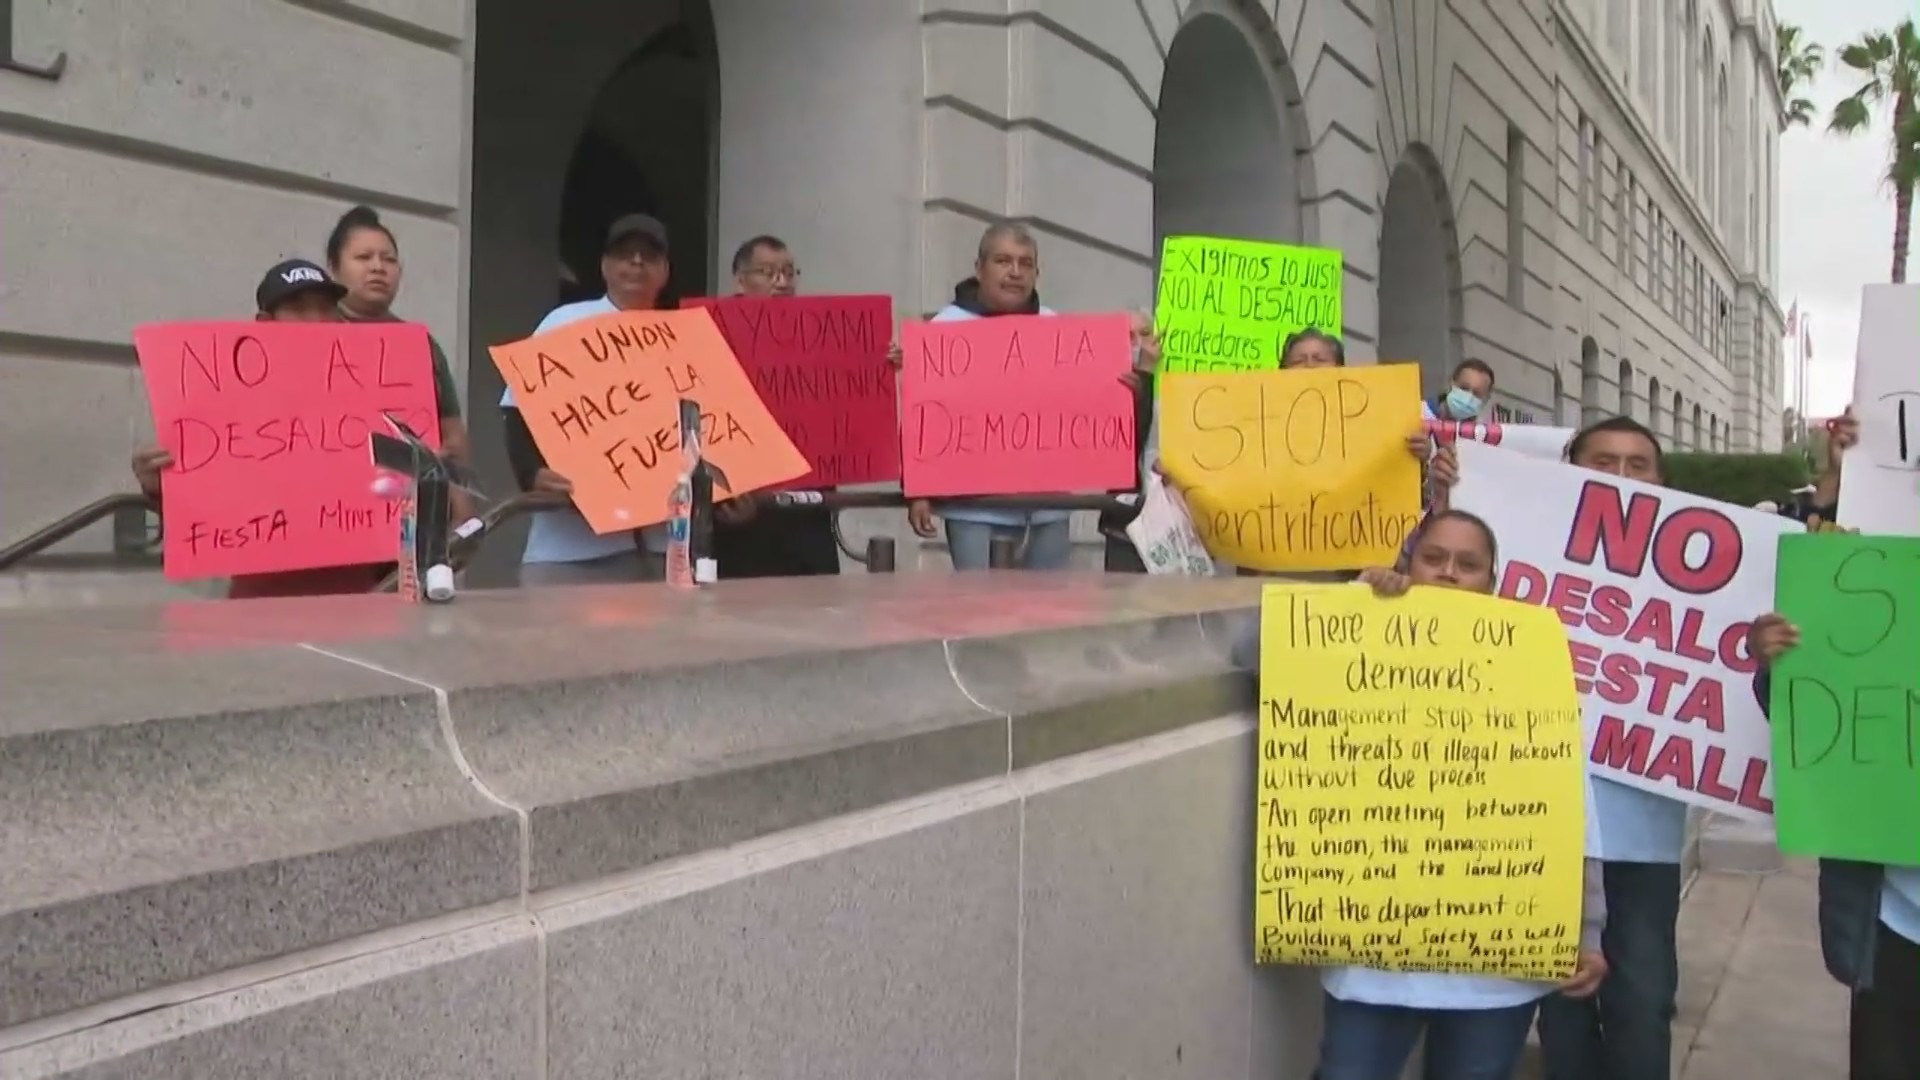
x,y
1475,1026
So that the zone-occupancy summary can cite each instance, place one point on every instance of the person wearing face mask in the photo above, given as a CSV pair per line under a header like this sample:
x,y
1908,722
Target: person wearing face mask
x,y
562,549
1467,396
1475,1026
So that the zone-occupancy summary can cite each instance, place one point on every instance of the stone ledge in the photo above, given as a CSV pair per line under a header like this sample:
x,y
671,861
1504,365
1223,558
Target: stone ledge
x,y
264,777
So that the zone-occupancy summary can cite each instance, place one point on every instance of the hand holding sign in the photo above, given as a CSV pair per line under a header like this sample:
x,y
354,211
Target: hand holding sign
x,y
1296,470
602,398
1846,700
267,427
1017,404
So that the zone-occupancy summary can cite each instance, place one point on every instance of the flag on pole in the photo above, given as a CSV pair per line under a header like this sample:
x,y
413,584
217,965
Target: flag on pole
x,y
1793,319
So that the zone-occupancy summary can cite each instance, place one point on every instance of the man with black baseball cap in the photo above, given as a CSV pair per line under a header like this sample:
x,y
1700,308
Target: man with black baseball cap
x,y
293,291
562,549
298,291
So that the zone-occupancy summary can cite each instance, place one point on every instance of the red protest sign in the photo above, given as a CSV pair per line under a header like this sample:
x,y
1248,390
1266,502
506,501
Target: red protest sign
x,y
268,426
819,363
1016,404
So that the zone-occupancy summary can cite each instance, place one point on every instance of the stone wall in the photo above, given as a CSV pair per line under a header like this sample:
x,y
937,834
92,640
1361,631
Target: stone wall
x,y
915,826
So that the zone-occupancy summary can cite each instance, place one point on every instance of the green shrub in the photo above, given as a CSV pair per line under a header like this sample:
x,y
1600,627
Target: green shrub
x,y
1741,479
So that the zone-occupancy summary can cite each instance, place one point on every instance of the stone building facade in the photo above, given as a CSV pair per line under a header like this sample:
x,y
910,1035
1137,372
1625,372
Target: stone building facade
x,y
1579,192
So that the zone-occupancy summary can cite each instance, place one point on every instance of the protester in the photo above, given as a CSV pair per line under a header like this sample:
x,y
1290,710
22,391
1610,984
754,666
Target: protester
x,y
1006,282
1869,914
562,549
1625,1032
1475,1026
797,542
364,258
1121,557
1312,348
1819,502
295,291
1467,396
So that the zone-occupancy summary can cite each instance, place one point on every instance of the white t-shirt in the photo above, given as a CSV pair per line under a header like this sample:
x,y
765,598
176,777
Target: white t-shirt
x,y
563,536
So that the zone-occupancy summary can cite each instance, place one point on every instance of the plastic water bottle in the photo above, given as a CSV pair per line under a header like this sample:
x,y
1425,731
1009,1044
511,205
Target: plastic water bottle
x,y
680,534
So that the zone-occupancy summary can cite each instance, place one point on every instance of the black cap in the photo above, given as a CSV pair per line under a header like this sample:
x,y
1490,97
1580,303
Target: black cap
x,y
632,226
291,278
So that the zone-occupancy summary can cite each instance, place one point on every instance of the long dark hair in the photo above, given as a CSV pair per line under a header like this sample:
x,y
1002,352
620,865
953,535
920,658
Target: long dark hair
x,y
354,220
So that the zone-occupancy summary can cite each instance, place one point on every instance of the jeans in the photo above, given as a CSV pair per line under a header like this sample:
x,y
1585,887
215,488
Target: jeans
x,y
1045,547
625,568
1882,1044
1625,1032
1373,1042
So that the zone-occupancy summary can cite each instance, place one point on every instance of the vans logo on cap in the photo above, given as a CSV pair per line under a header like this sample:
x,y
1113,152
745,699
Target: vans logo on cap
x,y
303,273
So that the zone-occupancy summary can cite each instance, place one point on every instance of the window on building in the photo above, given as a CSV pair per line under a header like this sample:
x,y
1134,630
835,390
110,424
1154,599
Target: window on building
x,y
1723,198
1690,112
1709,125
1587,137
1679,403
1625,387
1673,94
1646,67
1623,220
1589,381
1697,444
1516,217
1653,404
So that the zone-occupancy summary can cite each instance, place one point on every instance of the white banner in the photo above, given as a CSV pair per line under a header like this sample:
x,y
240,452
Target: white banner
x,y
1533,440
1880,476
1658,589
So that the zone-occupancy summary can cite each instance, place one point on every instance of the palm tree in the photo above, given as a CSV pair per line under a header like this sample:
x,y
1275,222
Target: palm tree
x,y
1800,61
1889,62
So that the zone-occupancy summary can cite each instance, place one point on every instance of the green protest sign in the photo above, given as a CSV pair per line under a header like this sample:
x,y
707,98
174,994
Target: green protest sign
x,y
1229,305
1846,702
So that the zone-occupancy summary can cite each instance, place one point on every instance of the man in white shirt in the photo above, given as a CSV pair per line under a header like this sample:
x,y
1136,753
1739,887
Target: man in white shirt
x,y
562,549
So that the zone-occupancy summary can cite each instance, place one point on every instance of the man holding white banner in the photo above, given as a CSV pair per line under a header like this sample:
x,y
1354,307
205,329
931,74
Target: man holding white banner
x,y
1657,589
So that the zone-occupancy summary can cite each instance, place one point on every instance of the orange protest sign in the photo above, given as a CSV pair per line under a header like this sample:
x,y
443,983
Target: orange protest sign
x,y
602,399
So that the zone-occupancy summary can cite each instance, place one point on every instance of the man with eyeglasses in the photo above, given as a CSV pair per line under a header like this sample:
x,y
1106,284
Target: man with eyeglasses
x,y
793,543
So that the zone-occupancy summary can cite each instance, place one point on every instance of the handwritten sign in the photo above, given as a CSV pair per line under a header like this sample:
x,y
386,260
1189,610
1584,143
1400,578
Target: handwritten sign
x,y
1846,702
1230,305
268,426
819,363
1297,470
1880,475
1421,802
1658,590
602,398
1016,404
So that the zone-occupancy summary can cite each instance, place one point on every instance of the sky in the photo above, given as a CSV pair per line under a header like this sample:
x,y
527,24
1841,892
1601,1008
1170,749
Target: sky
x,y
1836,214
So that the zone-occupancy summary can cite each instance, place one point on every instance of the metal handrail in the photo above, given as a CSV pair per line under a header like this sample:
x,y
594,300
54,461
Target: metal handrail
x,y
473,534
45,537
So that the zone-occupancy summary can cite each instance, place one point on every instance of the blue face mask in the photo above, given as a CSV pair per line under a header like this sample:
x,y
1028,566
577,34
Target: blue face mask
x,y
1464,404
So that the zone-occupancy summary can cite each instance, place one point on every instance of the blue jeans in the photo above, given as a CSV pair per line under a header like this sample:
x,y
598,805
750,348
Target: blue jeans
x,y
1044,547
1625,1032
1373,1042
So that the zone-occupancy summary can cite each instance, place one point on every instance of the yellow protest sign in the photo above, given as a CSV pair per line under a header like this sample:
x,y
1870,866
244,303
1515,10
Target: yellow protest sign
x,y
1296,470
1422,804
1229,305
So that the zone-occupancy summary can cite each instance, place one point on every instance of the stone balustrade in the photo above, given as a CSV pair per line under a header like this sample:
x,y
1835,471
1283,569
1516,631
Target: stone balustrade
x,y
926,827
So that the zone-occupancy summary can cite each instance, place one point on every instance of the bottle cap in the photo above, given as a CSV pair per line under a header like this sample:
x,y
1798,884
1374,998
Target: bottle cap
x,y
440,583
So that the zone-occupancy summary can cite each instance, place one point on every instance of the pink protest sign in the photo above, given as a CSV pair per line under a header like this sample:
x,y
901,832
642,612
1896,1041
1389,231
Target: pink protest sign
x,y
268,426
1017,404
819,363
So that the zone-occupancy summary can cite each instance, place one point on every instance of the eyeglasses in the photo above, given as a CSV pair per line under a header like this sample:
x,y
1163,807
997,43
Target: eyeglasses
x,y
774,273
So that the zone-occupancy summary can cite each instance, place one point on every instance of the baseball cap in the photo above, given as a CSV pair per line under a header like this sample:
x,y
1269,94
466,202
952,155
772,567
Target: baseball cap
x,y
630,226
291,278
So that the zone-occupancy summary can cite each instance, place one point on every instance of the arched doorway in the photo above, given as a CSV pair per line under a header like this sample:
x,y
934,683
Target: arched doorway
x,y
1419,270
1226,158
648,145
